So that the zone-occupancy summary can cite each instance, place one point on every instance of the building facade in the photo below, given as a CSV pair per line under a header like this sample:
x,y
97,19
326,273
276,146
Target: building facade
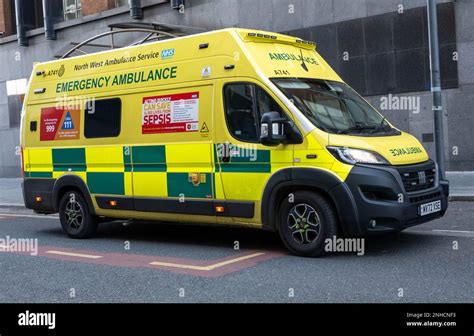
x,y
380,47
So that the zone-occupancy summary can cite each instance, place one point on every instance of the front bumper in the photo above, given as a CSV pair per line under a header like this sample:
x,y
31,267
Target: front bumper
x,y
378,195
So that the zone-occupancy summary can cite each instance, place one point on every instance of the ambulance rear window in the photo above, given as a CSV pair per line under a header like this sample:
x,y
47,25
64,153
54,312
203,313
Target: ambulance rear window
x,y
102,118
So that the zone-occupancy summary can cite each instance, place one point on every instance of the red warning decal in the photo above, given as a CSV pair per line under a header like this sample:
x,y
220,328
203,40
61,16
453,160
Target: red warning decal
x,y
171,113
59,124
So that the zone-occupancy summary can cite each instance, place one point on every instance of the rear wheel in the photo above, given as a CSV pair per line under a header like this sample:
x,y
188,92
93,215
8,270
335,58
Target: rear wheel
x,y
306,220
75,217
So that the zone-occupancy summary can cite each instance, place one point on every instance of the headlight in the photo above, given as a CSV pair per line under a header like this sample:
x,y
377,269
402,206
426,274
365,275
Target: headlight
x,y
354,155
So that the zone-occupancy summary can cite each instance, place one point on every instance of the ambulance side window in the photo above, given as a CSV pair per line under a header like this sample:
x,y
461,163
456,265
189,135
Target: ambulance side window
x,y
265,103
102,118
244,105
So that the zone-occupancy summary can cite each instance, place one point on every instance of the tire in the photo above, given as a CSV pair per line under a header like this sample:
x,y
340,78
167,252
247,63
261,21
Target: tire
x,y
306,223
75,217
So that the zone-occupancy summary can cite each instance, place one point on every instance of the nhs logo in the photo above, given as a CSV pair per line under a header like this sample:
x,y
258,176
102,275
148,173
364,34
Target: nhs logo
x,y
167,53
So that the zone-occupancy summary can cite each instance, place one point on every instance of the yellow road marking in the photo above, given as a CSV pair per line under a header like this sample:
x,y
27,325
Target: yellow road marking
x,y
206,268
70,254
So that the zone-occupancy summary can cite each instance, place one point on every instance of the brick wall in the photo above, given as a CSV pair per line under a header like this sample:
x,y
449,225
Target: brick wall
x,y
96,6
7,19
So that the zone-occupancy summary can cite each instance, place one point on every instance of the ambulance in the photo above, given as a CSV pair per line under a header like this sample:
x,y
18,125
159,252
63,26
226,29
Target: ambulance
x,y
230,127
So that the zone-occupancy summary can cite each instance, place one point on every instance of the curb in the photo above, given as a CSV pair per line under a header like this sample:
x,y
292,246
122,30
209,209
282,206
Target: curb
x,y
12,205
15,209
461,198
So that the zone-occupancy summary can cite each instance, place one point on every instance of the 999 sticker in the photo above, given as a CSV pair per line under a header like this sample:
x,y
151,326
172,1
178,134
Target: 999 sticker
x,y
59,124
171,113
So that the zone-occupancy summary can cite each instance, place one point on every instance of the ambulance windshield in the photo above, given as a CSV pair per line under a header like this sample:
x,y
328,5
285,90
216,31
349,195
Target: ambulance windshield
x,y
334,107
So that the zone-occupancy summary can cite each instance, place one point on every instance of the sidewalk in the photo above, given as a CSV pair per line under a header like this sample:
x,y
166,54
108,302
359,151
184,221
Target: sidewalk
x,y
10,192
461,189
461,185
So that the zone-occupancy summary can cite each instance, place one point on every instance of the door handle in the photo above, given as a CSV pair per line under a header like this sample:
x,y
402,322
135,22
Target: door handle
x,y
223,152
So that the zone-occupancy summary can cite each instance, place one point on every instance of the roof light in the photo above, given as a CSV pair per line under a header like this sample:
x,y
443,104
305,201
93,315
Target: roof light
x,y
260,35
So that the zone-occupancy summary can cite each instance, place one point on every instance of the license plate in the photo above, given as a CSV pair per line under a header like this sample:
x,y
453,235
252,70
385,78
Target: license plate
x,y
429,208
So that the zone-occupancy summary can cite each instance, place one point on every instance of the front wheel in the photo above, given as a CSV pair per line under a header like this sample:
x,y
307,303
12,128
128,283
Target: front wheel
x,y
75,217
306,220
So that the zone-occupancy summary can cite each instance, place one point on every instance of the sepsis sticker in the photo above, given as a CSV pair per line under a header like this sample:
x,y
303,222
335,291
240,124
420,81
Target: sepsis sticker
x,y
59,124
171,113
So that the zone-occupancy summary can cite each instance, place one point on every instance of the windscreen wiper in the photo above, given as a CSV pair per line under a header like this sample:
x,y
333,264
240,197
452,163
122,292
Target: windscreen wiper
x,y
382,126
357,128
303,64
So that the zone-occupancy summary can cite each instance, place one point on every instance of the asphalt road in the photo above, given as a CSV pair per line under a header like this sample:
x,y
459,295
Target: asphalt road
x,y
149,262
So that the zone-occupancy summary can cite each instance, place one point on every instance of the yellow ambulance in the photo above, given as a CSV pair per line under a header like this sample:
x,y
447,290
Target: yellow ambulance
x,y
230,127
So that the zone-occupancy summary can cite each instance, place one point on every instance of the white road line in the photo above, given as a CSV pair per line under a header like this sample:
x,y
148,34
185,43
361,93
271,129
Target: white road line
x,y
444,233
456,231
28,216
79,255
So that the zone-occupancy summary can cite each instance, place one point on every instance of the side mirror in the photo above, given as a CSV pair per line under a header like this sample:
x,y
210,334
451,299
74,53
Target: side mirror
x,y
272,132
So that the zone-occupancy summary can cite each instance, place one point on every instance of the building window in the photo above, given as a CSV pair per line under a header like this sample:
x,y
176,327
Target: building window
x,y
72,9
103,118
16,90
120,3
32,14
387,53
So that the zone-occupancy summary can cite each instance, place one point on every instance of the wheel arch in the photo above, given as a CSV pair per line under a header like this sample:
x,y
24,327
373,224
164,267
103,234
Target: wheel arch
x,y
68,183
321,181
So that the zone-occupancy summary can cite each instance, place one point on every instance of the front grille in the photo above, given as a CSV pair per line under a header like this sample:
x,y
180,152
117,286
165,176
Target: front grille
x,y
369,194
418,177
424,198
378,193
